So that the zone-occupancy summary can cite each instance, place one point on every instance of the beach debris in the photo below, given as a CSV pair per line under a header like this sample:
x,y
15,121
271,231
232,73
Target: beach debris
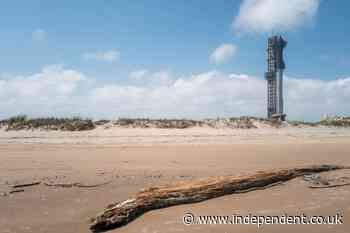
x,y
77,184
5,194
16,191
315,179
17,188
318,181
185,192
26,185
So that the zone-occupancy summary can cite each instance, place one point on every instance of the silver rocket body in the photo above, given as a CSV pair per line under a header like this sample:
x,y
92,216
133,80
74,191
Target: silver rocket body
x,y
274,77
279,94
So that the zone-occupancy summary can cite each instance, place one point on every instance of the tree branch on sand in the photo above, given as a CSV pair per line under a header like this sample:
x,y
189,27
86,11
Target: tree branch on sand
x,y
122,213
26,185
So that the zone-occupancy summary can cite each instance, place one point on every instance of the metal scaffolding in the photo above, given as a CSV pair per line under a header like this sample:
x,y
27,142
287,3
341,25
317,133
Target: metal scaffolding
x,y
274,77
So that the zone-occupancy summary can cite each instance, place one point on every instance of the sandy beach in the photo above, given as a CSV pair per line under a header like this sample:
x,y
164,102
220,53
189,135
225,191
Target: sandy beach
x,y
175,116
132,159
190,136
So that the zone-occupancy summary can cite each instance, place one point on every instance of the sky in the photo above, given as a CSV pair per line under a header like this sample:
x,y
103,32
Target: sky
x,y
171,59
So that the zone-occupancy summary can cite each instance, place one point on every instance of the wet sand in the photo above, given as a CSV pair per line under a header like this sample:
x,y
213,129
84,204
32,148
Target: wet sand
x,y
131,168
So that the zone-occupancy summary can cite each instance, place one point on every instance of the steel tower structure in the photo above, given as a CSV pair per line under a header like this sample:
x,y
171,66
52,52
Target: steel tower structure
x,y
274,77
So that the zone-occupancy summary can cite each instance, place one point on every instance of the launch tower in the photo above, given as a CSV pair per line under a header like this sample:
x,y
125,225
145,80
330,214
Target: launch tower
x,y
274,77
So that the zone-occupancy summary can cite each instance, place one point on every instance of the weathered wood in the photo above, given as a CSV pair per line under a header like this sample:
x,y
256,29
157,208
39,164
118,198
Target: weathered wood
x,y
260,188
122,213
16,191
26,185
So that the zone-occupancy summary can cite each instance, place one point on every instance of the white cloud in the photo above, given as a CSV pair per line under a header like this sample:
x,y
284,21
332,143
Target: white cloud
x,y
223,53
146,77
138,74
62,92
259,16
107,56
209,94
45,93
310,98
39,35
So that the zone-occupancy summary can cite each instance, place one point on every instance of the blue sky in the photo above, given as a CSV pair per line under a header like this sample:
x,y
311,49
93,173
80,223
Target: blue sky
x,y
106,41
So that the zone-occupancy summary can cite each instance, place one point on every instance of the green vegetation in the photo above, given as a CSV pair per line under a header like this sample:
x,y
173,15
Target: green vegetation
x,y
22,122
303,123
157,123
336,121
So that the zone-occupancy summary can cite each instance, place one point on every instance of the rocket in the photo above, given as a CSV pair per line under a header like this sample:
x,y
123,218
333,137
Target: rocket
x,y
274,77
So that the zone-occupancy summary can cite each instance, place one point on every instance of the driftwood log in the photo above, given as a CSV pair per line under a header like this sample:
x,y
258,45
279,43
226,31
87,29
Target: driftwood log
x,y
122,213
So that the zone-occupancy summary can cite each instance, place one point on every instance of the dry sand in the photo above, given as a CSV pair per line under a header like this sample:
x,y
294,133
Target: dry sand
x,y
193,136
135,158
